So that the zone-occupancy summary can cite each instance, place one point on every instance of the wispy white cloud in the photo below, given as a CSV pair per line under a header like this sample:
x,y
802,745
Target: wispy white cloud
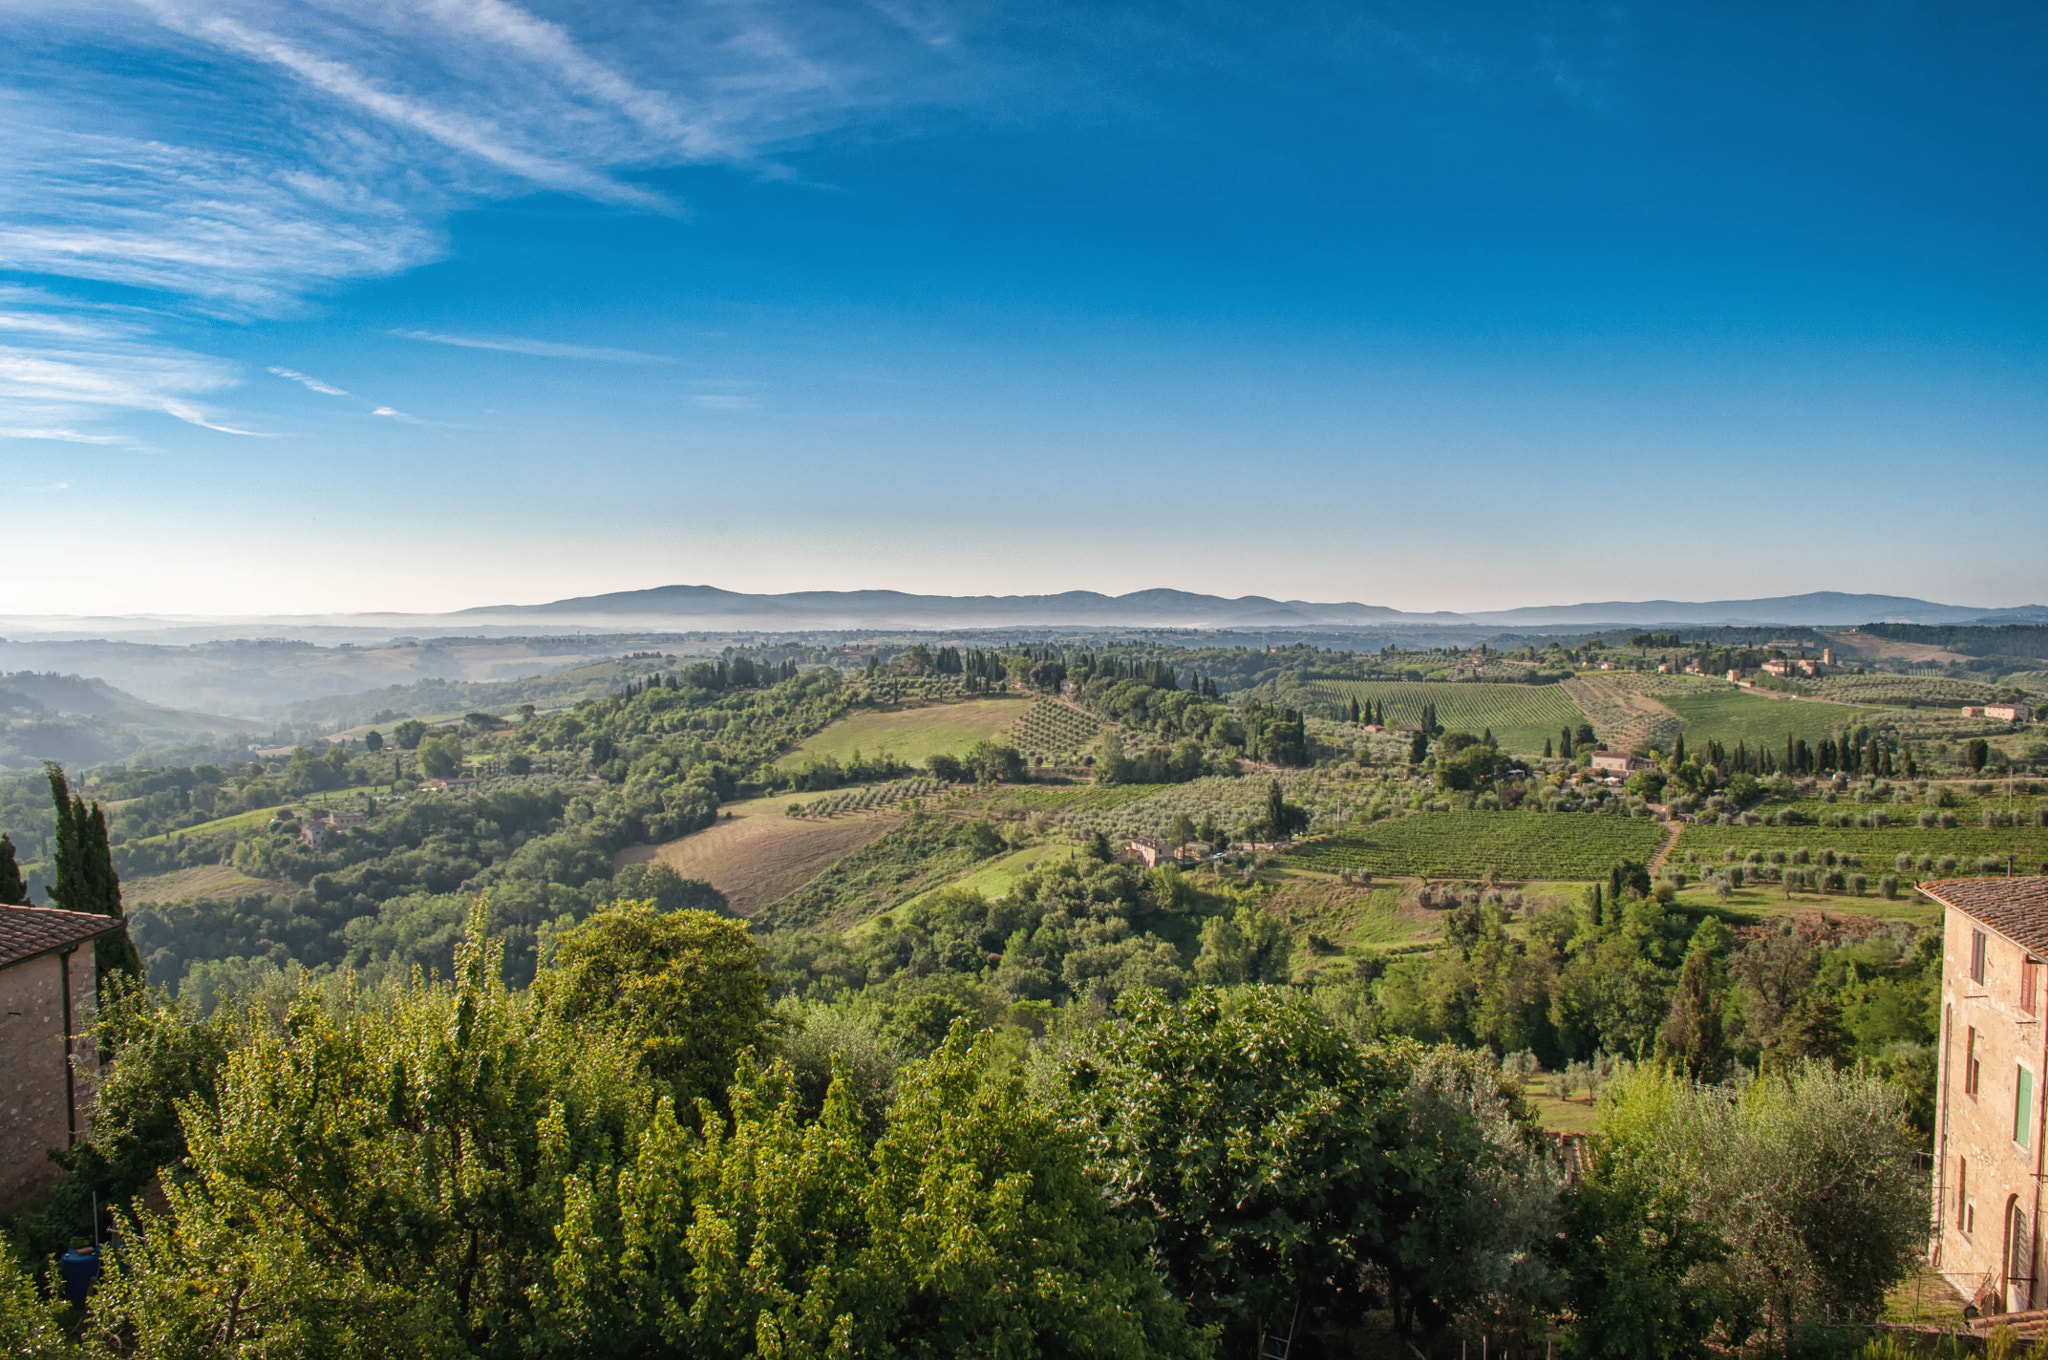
x,y
48,487
309,382
62,436
395,414
111,378
239,157
543,349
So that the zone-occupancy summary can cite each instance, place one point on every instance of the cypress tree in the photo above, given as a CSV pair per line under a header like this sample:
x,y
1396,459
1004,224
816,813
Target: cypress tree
x,y
86,881
13,892
1546,748
64,858
1678,750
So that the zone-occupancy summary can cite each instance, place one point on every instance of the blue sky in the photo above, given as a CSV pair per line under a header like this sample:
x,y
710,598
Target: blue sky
x,y
432,303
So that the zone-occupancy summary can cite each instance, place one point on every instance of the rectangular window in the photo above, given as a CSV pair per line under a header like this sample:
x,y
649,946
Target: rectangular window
x,y
1970,1064
1963,1193
2023,1108
1976,956
2030,974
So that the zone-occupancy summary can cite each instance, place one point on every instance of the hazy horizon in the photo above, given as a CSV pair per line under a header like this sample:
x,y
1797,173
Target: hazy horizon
x,y
309,308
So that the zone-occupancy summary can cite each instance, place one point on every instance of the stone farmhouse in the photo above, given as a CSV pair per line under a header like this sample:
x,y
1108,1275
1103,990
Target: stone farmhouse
x,y
1149,851
1989,1130
1618,762
46,999
2010,713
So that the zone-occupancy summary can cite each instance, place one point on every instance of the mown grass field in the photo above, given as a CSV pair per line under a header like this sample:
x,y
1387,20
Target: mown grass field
x,y
1349,917
1754,902
1522,717
205,880
1878,847
1577,847
239,822
1729,715
758,855
993,878
911,734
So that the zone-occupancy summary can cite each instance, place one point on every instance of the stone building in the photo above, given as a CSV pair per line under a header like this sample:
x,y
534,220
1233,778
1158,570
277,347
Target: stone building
x,y
1989,1134
46,997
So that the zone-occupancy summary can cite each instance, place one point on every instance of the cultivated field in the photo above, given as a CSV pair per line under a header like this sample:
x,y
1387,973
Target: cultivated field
x,y
206,880
1625,710
911,734
1517,845
1729,715
1522,717
758,855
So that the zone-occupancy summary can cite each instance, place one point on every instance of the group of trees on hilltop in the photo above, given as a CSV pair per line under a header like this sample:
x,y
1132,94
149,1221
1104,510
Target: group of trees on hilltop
x,y
639,1155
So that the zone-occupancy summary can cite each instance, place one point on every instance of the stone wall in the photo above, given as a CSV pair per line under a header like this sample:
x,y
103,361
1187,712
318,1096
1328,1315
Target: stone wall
x,y
35,1115
1986,1172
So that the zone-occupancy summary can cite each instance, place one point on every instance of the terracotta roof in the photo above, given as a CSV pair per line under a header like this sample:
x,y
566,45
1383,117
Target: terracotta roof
x,y
2016,908
28,931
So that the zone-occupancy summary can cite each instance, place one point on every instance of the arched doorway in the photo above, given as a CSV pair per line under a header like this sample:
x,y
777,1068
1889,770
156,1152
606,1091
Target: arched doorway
x,y
2019,1258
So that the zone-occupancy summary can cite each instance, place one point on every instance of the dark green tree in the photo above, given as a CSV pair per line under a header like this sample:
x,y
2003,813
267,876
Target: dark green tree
x,y
1977,751
1693,1037
13,891
85,880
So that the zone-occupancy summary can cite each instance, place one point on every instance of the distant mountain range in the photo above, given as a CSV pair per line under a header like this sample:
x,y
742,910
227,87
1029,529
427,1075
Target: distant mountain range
x,y
696,607
683,609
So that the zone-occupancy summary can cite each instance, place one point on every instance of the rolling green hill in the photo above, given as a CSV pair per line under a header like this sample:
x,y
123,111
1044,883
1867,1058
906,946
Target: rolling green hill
x,y
1522,717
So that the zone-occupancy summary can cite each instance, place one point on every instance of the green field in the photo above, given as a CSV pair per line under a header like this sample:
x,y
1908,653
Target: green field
x,y
994,878
910,734
1878,847
1518,845
1522,717
1729,715
239,822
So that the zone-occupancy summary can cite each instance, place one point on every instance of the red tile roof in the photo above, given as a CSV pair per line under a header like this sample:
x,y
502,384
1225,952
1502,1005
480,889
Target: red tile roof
x,y
26,932
2016,908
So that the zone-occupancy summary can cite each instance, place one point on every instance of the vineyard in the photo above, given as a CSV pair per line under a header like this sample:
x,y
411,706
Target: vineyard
x,y
1516,845
1053,732
1728,715
1521,717
892,794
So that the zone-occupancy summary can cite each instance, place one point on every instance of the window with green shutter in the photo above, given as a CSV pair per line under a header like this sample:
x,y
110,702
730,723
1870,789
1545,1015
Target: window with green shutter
x,y
2023,1108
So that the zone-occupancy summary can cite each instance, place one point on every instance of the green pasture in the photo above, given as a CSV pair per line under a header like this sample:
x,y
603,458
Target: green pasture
x,y
994,878
248,821
1522,717
1728,715
910,734
1516,845
1755,902
1877,847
